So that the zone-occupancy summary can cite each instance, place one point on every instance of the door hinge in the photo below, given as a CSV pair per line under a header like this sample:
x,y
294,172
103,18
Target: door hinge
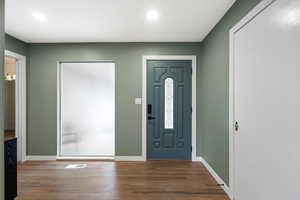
x,y
191,149
191,70
191,109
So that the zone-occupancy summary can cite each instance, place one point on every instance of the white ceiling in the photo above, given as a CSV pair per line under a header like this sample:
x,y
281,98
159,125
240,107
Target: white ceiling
x,y
113,20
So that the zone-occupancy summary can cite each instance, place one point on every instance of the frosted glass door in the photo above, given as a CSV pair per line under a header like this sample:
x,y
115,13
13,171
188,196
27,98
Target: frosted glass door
x,y
87,109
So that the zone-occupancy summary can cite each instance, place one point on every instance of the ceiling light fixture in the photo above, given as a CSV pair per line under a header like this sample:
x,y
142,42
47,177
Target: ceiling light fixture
x,y
39,16
293,17
152,15
10,76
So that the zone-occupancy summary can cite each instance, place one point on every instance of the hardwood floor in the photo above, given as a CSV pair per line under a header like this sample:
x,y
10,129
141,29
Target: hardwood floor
x,y
152,180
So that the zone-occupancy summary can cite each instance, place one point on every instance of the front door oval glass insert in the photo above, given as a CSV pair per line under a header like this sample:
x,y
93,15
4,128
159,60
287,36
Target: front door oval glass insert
x,y
169,103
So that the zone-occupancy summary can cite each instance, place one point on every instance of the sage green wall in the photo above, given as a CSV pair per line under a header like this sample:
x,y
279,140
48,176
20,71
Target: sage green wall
x,y
213,90
42,88
1,100
15,45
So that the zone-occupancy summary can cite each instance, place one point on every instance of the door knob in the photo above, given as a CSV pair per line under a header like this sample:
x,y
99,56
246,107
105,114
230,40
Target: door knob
x,y
236,126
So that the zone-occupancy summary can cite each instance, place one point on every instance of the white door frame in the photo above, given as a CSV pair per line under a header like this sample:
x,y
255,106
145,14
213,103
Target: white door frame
x,y
144,100
20,103
240,25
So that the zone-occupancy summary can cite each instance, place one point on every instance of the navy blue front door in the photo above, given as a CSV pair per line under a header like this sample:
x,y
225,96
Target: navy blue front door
x,y
169,109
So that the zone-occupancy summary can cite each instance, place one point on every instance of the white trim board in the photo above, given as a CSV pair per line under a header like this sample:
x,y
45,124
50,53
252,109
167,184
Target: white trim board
x,y
40,158
129,158
217,178
20,103
243,22
86,158
53,158
197,159
194,100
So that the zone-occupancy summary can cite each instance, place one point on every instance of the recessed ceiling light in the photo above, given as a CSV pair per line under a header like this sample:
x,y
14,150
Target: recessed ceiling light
x,y
293,17
152,15
39,16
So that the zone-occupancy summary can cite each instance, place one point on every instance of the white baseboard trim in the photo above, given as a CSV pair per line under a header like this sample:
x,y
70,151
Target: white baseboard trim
x,y
197,159
129,158
217,178
40,158
86,158
116,158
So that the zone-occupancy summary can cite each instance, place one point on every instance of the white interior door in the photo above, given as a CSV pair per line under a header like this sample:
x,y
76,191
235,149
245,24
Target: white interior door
x,y
267,104
87,109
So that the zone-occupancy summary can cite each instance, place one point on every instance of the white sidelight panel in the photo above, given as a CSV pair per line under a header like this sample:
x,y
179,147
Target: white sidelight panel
x,y
87,109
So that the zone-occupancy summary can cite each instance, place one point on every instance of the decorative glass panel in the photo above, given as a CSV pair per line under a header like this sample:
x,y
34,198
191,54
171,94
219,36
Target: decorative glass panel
x,y
169,103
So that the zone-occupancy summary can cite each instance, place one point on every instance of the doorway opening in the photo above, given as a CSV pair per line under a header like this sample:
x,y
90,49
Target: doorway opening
x,y
86,126
15,101
10,97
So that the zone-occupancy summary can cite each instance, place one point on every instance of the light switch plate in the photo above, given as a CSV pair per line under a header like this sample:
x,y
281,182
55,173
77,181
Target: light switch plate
x,y
138,101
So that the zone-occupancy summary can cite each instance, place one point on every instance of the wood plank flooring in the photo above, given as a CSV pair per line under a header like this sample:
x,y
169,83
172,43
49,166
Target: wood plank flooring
x,y
152,180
